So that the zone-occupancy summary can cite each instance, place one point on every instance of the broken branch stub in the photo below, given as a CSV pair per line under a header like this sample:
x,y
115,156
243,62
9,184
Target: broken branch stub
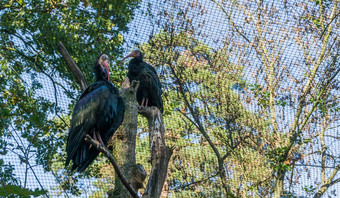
x,y
160,153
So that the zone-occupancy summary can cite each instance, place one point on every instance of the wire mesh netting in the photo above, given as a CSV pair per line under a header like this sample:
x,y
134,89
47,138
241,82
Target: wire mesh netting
x,y
250,92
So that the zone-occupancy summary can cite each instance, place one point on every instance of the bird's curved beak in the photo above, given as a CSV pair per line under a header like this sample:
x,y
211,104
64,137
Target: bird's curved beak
x,y
132,54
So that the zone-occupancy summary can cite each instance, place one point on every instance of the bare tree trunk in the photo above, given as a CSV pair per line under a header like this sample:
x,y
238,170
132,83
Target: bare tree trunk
x,y
160,153
125,144
279,183
165,190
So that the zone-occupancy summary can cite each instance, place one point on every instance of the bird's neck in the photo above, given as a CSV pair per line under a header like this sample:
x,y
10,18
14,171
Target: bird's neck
x,y
135,65
136,61
100,73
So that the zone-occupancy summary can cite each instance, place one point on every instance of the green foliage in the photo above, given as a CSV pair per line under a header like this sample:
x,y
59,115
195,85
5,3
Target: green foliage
x,y
309,189
277,157
261,94
18,191
201,80
208,86
10,185
30,31
7,175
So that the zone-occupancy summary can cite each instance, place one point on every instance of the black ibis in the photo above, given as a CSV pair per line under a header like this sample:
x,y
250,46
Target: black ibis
x,y
150,88
99,112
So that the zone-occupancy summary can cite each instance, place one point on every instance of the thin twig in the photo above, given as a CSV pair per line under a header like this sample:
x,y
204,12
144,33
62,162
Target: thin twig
x,y
323,32
56,177
196,182
36,177
105,151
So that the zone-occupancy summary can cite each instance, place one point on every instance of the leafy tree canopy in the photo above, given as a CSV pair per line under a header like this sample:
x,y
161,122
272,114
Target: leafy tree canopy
x,y
30,31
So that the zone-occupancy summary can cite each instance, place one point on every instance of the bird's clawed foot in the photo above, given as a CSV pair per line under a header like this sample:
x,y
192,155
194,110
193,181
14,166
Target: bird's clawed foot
x,y
141,106
98,138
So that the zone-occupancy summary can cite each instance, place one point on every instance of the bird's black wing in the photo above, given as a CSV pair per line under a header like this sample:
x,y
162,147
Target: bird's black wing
x,y
155,77
94,111
115,108
149,67
154,85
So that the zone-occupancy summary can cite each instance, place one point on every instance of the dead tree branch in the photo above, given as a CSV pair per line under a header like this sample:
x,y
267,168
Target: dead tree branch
x,y
106,152
160,153
73,66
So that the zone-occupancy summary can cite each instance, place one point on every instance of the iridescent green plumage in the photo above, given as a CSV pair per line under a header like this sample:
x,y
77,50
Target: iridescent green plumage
x,y
99,111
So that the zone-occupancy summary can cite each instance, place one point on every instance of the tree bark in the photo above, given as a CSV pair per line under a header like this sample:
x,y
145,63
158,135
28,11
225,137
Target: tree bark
x,y
102,148
160,153
279,183
73,67
125,144
165,190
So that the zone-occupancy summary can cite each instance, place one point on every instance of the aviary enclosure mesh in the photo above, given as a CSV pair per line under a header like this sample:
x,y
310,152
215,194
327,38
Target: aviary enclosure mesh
x,y
213,29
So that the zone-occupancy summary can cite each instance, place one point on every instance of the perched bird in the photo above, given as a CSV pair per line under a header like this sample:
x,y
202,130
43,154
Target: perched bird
x,y
99,112
150,88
